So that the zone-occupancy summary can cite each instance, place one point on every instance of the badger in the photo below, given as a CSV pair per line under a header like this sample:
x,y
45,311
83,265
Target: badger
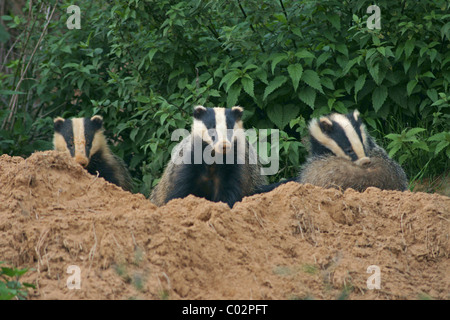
x,y
84,140
343,155
231,176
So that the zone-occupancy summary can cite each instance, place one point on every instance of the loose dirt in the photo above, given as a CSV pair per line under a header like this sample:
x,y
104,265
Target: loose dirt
x,y
296,242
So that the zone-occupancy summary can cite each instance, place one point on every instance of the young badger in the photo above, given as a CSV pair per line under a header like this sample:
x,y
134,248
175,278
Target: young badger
x,y
343,155
219,131
83,138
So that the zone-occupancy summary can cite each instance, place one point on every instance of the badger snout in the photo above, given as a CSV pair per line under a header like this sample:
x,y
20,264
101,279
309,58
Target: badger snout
x,y
82,160
365,161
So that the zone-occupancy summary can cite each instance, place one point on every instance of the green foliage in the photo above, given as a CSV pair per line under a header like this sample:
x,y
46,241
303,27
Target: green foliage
x,y
143,65
10,286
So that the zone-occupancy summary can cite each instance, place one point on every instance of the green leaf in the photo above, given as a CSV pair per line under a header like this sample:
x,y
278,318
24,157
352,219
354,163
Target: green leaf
x,y
261,74
29,285
379,95
277,82
280,115
162,119
409,47
406,65
394,150
348,66
428,74
439,136
440,146
445,31
304,54
21,272
335,21
371,123
342,48
229,79
251,66
432,94
374,71
71,65
142,99
133,133
327,83
414,131
410,86
277,59
322,58
307,95
154,147
420,145
5,292
312,79
295,72
8,271
233,95
10,92
151,54
248,85
359,84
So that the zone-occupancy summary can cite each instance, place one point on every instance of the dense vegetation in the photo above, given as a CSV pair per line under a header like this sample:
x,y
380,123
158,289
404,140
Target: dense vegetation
x,y
143,65
10,285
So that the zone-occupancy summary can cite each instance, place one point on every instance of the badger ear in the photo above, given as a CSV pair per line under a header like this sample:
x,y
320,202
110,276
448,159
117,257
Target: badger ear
x,y
97,121
237,111
325,124
356,115
199,111
58,123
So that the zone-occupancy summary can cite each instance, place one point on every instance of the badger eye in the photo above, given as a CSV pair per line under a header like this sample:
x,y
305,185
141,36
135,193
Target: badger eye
x,y
349,151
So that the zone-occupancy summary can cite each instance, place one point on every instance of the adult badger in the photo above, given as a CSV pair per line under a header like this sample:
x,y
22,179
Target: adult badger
x,y
343,155
84,140
234,171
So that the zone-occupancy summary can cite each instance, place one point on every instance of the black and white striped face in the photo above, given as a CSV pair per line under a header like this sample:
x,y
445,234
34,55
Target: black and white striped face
x,y
81,137
218,127
343,135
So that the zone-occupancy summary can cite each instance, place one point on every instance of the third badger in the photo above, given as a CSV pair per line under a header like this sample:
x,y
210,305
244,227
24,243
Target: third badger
x,y
219,131
343,155
84,140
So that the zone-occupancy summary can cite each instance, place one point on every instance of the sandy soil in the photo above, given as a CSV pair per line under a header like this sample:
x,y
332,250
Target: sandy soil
x,y
296,242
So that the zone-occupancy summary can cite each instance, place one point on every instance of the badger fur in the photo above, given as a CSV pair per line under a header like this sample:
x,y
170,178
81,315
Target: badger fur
x,y
343,155
219,131
84,140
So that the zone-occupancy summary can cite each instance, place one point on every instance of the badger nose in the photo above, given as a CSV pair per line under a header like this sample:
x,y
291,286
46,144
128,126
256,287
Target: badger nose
x,y
363,161
83,161
223,147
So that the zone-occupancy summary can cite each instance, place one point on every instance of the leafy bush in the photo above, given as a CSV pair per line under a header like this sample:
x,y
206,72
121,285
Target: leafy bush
x,y
10,286
143,65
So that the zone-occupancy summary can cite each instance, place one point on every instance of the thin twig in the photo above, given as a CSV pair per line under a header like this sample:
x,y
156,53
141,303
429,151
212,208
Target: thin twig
x,y
92,182
251,25
260,221
287,20
93,249
13,103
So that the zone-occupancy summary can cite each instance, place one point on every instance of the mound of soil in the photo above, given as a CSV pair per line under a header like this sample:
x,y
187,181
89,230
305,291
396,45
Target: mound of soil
x,y
296,242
